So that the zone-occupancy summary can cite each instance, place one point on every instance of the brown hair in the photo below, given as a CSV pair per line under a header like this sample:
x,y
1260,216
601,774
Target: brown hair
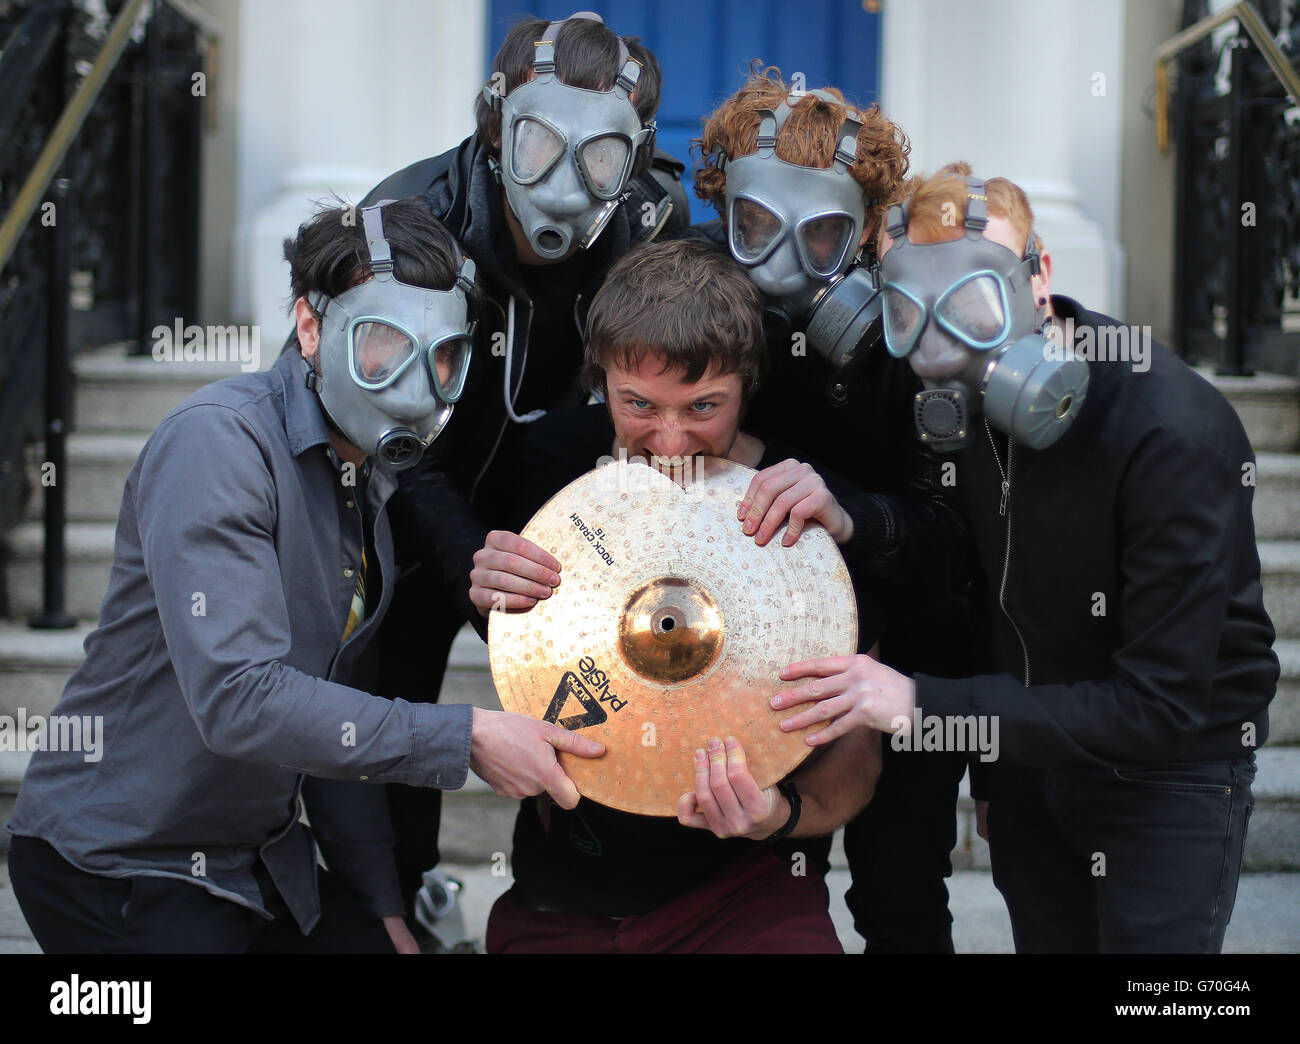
x,y
808,137
586,55
933,199
684,300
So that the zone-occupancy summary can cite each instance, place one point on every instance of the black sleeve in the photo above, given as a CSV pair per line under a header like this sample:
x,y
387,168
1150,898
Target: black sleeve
x,y
1181,515
445,531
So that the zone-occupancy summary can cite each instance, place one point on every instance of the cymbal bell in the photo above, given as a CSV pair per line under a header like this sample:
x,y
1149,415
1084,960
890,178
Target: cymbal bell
x,y
669,627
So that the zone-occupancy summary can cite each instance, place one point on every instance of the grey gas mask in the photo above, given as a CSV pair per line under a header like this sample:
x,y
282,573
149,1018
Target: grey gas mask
x,y
796,229
962,313
393,357
567,152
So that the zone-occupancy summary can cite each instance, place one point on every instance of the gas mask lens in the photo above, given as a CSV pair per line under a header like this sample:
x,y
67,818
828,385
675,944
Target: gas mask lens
x,y
604,162
449,364
975,310
379,353
536,148
824,240
904,318
754,229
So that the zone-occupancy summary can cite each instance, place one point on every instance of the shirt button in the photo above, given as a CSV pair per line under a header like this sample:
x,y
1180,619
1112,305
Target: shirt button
x,y
351,504
348,572
364,778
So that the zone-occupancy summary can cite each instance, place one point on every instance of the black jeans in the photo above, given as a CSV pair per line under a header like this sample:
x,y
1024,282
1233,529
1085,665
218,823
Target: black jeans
x,y
1142,860
71,911
899,851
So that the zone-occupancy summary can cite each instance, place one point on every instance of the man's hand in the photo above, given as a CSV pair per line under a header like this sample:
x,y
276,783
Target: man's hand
x,y
982,819
851,692
511,573
727,799
516,755
403,940
793,493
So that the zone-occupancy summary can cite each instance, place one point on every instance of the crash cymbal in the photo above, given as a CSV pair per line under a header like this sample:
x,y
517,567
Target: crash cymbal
x,y
669,626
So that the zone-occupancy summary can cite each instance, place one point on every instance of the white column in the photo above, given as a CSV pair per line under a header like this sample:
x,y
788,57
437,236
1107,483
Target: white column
x,y
334,95
1028,90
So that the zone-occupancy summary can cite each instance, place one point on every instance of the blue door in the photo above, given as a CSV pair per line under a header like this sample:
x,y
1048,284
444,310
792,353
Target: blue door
x,y
704,48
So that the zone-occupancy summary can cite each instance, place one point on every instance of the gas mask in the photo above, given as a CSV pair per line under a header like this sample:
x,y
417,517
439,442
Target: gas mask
x,y
567,152
796,229
962,313
393,357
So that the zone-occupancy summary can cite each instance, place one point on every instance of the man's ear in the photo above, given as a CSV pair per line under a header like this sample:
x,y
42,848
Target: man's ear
x,y
308,329
883,242
1041,284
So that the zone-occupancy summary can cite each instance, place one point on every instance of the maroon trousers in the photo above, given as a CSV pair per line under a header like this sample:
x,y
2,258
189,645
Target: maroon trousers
x,y
755,905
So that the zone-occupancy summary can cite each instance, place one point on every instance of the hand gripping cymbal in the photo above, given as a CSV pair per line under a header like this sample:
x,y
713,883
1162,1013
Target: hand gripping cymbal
x,y
670,626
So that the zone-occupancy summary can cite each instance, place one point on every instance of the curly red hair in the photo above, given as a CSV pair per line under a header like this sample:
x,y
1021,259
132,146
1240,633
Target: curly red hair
x,y
807,137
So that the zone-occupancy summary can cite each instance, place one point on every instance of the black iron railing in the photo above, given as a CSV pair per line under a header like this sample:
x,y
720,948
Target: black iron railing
x,y
102,120
1235,122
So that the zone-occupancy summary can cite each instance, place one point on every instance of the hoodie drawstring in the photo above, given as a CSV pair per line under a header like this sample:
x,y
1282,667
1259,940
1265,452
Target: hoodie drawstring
x,y
533,415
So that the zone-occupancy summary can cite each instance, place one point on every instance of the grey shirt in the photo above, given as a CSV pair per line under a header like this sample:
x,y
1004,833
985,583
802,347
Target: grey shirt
x,y
218,667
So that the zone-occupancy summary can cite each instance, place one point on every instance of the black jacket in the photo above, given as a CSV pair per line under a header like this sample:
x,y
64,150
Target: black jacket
x,y
460,489
1131,574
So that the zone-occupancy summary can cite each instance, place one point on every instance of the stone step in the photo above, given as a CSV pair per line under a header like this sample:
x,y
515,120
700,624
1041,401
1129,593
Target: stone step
x,y
13,764
1269,408
89,547
1284,711
116,392
1273,842
36,665
1277,496
96,471
1279,563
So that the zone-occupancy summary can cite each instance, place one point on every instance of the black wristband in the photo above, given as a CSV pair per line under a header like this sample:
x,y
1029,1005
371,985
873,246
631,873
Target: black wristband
x,y
791,793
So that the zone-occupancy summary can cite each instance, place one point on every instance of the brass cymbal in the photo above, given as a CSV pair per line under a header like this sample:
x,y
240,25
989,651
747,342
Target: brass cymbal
x,y
669,626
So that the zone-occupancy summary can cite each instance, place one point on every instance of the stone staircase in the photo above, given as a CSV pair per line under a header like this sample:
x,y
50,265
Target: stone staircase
x,y
120,400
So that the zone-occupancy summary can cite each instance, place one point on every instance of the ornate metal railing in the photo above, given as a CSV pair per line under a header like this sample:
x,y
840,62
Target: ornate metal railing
x,y
1235,121
101,114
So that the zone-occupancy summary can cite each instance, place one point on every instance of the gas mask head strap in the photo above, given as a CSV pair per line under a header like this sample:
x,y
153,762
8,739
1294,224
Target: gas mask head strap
x,y
629,72
770,124
544,61
381,252
975,220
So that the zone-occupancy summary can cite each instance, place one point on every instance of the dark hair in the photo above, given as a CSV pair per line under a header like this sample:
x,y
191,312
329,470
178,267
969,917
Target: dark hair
x,y
586,55
330,255
684,300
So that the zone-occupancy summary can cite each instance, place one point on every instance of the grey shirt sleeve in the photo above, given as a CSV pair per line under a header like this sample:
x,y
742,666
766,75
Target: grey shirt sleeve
x,y
206,510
